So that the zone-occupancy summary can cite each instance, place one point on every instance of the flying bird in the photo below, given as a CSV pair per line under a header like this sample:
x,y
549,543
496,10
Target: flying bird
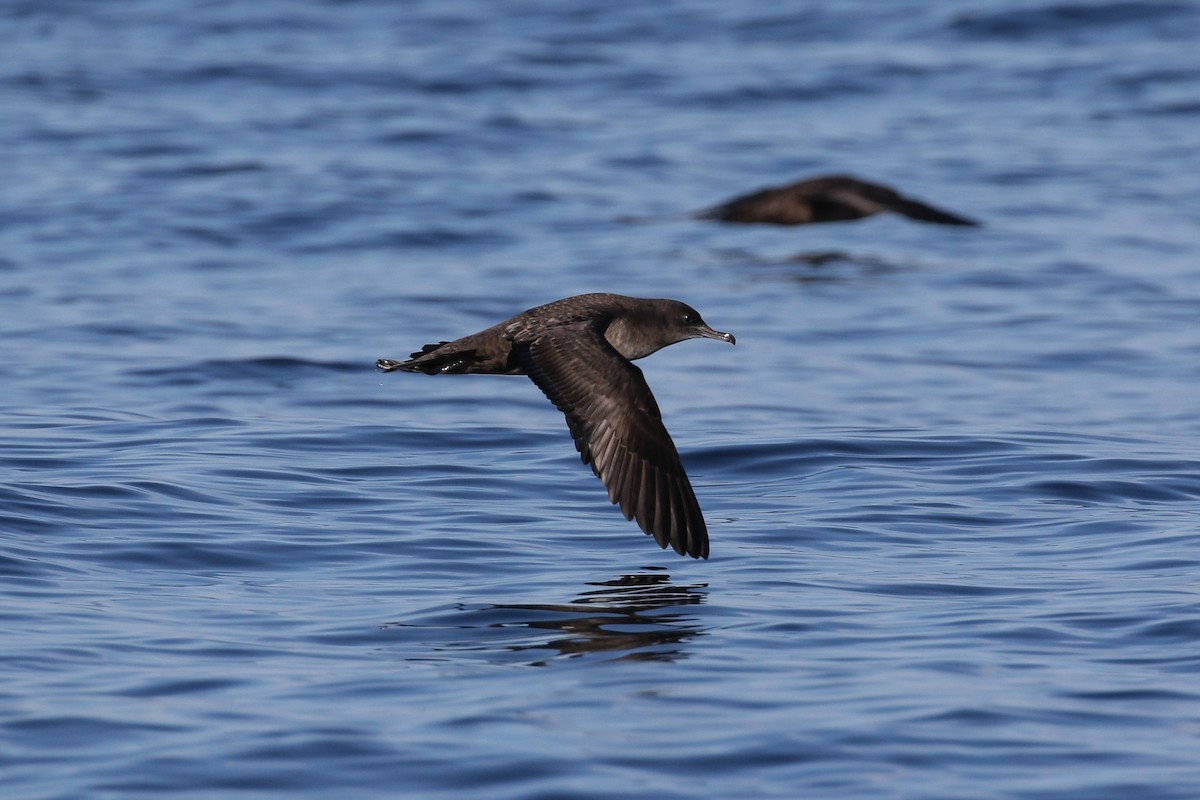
x,y
579,352
829,198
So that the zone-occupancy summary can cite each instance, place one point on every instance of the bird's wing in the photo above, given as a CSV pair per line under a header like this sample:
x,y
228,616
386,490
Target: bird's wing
x,y
618,429
871,198
924,212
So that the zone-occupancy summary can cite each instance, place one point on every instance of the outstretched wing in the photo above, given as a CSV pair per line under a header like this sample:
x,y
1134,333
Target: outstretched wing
x,y
618,430
867,198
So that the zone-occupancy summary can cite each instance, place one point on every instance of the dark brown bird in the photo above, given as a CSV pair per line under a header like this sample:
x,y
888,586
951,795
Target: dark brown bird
x,y
830,198
578,351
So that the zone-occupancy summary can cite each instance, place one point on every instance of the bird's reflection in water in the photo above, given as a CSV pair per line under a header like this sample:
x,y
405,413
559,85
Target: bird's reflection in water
x,y
809,267
627,615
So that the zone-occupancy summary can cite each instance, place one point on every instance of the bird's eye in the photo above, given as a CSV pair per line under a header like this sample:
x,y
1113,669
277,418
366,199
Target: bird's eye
x,y
688,319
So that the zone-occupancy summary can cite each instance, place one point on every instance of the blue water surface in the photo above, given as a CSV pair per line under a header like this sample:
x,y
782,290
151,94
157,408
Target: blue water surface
x,y
951,475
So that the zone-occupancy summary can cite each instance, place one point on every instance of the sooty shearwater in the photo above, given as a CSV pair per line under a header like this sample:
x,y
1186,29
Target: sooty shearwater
x,y
578,351
829,198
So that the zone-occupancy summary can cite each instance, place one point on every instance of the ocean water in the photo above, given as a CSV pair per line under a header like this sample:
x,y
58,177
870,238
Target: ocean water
x,y
952,476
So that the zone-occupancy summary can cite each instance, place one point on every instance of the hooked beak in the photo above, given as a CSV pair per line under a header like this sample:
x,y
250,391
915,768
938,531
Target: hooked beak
x,y
709,333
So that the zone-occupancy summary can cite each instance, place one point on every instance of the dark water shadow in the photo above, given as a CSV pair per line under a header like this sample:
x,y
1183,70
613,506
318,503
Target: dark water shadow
x,y
637,616
818,266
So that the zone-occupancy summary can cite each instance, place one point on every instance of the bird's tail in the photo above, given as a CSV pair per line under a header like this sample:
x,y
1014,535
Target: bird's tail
x,y
432,359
